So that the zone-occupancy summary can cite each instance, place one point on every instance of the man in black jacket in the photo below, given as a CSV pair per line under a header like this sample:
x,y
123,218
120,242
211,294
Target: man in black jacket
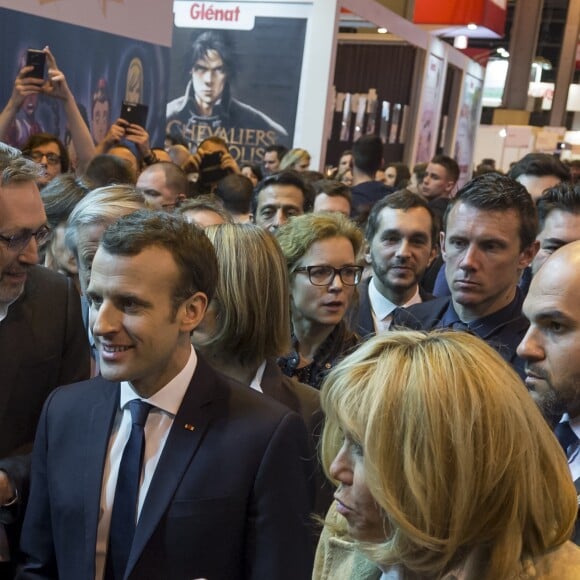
x,y
489,238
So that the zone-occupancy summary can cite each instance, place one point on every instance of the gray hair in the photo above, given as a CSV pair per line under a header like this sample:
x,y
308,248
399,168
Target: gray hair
x,y
103,205
14,168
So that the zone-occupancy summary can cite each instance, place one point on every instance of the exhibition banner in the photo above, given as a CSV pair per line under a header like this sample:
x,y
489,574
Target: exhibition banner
x,y
235,74
101,69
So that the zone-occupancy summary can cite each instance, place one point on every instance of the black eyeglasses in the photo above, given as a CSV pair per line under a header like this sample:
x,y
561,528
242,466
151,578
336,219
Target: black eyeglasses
x,y
51,158
18,242
324,275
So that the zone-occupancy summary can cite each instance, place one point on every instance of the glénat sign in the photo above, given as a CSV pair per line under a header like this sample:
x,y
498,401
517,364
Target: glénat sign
x,y
213,15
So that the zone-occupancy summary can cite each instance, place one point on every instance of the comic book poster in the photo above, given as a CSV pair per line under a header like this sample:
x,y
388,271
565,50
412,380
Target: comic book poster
x,y
101,69
235,75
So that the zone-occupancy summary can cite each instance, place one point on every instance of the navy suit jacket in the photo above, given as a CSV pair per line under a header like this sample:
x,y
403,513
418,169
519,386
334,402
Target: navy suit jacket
x,y
229,500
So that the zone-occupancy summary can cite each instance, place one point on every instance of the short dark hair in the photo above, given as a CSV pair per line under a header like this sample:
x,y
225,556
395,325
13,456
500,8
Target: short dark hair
x,y
403,174
451,166
41,139
279,149
217,41
495,192
109,170
255,169
403,200
189,246
564,196
367,154
539,165
332,188
175,178
288,177
235,191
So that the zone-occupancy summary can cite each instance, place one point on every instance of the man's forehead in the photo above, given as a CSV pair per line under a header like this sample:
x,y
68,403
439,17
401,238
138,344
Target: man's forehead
x,y
282,193
21,205
436,169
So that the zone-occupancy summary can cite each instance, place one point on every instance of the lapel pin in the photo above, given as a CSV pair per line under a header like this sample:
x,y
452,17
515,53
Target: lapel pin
x,y
189,427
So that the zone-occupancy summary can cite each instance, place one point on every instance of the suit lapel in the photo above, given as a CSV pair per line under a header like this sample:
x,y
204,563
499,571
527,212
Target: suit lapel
x,y
272,385
196,411
100,423
366,325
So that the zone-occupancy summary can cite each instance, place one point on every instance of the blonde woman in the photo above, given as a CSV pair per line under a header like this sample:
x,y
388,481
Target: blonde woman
x,y
296,159
445,467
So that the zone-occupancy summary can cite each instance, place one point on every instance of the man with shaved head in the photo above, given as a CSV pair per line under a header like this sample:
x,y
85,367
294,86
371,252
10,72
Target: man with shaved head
x,y
551,349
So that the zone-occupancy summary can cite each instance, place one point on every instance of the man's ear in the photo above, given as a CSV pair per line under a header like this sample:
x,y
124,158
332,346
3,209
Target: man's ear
x,y
450,186
192,311
433,255
528,254
366,252
442,245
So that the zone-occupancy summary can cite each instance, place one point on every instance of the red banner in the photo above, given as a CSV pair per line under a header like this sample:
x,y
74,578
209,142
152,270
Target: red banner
x,y
488,13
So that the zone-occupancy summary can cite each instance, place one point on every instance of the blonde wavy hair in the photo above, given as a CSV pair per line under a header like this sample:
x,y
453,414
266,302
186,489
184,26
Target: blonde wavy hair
x,y
293,157
456,455
299,233
251,298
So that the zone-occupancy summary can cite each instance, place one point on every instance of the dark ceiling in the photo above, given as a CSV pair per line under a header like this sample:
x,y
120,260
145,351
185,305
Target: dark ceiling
x,y
549,40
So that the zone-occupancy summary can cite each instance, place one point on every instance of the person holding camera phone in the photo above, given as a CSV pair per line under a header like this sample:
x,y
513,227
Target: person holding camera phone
x,y
17,130
122,130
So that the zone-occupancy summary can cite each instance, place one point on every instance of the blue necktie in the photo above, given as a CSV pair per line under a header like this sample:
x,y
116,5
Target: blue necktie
x,y
124,514
565,436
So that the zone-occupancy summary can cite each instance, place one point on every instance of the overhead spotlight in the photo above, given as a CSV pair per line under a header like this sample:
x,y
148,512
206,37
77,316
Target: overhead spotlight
x,y
472,26
503,133
382,30
460,42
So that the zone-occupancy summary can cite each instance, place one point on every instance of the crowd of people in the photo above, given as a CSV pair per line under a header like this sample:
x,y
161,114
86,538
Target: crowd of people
x,y
266,372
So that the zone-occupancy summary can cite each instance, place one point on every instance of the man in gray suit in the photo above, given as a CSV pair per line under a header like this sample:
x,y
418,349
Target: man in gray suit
x,y
42,343
551,349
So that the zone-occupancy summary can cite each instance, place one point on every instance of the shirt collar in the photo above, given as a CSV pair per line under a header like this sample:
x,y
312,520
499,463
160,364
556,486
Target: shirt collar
x,y
487,325
170,396
383,307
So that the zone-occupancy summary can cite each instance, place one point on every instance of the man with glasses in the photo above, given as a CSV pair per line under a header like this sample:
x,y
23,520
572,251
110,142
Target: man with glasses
x,y
42,341
49,153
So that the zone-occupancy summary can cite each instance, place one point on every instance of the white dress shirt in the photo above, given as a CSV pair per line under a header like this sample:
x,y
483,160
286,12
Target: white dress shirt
x,y
256,383
166,403
382,308
574,458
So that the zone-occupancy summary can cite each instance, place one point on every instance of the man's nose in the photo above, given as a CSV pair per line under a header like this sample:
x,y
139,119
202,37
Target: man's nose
x,y
29,254
530,348
104,320
469,258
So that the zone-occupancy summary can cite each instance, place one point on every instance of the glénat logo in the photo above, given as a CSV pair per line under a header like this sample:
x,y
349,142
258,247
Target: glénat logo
x,y
207,12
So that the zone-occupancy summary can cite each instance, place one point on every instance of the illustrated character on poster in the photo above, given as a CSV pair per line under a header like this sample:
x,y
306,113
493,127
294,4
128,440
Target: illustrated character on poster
x,y
208,108
100,112
134,85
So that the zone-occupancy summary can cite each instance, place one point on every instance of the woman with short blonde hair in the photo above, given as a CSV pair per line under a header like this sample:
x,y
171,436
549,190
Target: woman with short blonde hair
x,y
321,253
466,479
